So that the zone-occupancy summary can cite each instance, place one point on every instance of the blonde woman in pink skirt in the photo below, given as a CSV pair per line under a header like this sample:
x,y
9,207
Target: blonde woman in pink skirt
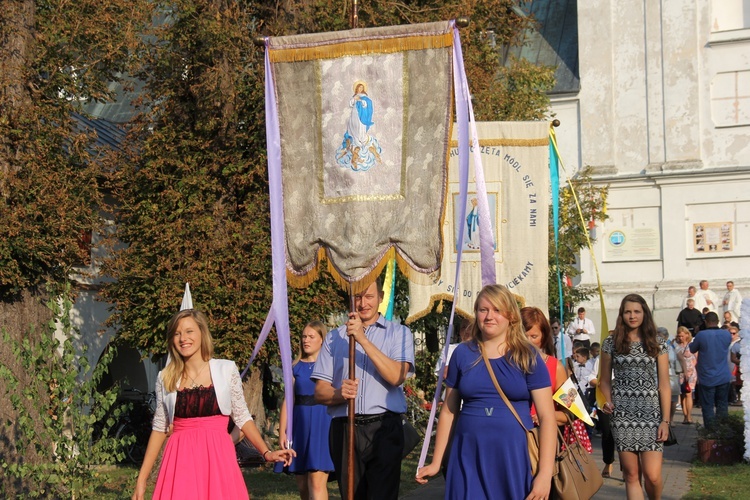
x,y
196,395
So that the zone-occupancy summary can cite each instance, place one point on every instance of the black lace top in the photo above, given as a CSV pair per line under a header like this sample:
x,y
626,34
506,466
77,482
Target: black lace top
x,y
196,402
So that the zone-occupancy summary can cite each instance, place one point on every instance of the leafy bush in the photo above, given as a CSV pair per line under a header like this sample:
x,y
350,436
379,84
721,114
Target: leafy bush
x,y
729,428
425,378
61,434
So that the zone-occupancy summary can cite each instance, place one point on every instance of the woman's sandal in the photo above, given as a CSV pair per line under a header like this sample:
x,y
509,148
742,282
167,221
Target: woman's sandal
x,y
607,471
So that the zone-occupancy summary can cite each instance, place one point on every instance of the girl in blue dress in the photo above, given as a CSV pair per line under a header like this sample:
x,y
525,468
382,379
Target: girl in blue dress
x,y
313,462
488,456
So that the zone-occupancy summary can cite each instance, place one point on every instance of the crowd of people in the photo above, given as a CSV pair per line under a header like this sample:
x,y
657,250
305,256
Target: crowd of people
x,y
707,346
500,380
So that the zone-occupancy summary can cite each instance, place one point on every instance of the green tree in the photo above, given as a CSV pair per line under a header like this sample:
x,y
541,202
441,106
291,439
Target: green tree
x,y
191,190
62,432
572,240
54,56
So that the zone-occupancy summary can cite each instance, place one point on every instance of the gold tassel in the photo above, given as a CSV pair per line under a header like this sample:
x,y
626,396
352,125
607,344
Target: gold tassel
x,y
301,281
362,284
305,280
431,304
360,47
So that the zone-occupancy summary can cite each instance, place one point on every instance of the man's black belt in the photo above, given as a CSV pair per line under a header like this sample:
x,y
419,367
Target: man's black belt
x,y
304,400
365,419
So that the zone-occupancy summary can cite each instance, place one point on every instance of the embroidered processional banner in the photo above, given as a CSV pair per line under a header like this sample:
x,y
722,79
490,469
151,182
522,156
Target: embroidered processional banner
x,y
365,119
515,156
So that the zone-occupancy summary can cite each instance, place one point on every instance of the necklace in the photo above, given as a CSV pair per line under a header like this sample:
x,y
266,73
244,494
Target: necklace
x,y
309,362
195,384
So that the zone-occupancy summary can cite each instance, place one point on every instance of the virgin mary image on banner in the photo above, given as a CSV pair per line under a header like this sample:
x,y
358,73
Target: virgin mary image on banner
x,y
359,150
364,127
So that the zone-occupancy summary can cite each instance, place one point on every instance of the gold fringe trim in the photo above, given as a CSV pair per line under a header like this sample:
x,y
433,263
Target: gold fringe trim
x,y
449,298
525,143
364,282
520,300
360,47
303,280
431,305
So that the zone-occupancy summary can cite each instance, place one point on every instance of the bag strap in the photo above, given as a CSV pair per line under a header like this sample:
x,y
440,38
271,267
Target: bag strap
x,y
499,390
572,428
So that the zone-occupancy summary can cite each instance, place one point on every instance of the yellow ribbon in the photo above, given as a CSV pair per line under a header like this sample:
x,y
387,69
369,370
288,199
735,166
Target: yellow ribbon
x,y
604,330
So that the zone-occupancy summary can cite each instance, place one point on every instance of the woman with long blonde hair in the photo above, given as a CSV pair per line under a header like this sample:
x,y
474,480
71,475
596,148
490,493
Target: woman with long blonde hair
x,y
489,454
196,394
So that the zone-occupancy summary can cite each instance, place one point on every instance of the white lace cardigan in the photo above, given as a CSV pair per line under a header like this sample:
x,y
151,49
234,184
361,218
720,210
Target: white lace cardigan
x,y
228,386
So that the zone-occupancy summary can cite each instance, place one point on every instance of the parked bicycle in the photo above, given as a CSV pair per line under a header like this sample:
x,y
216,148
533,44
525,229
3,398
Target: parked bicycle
x,y
137,424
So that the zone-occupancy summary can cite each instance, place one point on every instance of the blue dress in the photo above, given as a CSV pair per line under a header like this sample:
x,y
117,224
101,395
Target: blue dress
x,y
310,429
489,457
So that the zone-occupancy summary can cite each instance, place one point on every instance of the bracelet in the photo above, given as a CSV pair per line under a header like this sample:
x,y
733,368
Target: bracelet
x,y
264,454
665,421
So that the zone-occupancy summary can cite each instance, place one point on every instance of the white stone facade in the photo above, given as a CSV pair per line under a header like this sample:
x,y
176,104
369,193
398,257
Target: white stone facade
x,y
663,117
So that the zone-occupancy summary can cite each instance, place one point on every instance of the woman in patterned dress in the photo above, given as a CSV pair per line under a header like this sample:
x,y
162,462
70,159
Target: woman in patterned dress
x,y
639,397
688,377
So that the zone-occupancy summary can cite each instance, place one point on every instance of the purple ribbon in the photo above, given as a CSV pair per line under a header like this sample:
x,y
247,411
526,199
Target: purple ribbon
x,y
486,239
463,115
279,312
261,339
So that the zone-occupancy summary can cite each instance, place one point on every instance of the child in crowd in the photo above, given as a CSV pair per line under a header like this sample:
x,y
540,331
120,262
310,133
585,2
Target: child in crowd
x,y
594,359
585,374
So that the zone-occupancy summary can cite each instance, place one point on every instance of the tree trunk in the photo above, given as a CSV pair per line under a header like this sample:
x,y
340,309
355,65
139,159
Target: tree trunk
x,y
253,388
17,21
16,41
16,319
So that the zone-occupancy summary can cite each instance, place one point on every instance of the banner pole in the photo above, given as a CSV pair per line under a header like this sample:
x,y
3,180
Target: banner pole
x,y
350,418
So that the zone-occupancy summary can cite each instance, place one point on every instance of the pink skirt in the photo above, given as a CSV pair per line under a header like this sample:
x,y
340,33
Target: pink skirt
x,y
199,462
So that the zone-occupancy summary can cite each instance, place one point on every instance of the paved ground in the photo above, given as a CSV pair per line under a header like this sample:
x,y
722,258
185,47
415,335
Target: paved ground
x,y
677,461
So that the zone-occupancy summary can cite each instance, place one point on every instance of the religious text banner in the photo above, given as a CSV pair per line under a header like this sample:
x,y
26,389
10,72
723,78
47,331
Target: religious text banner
x,y
364,119
515,157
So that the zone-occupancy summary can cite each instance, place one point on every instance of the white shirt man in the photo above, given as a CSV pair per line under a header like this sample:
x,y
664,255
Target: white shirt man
x,y
561,340
690,295
706,298
732,301
581,328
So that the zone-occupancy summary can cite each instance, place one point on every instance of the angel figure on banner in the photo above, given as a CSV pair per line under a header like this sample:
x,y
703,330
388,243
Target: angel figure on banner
x,y
359,150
